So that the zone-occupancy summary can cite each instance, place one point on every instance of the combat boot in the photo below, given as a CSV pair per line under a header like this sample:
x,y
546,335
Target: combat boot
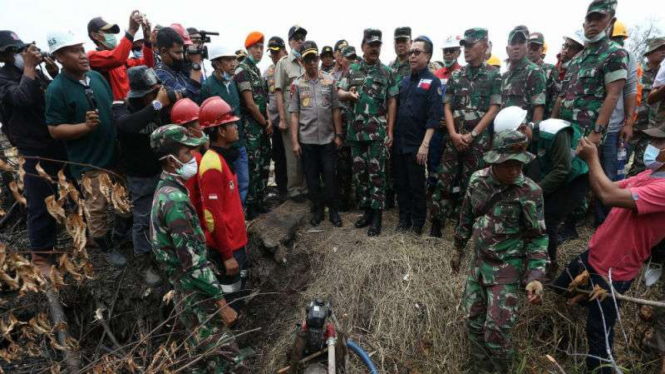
x,y
317,215
366,219
334,217
375,228
436,231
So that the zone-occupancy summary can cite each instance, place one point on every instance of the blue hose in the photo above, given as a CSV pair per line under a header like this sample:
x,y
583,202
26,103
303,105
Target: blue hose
x,y
363,355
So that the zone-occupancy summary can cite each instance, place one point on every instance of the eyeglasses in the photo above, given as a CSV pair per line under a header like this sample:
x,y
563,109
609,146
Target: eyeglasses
x,y
415,52
449,51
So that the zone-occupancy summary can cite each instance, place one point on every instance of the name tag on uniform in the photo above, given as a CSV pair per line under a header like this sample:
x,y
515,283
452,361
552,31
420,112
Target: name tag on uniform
x,y
212,196
425,84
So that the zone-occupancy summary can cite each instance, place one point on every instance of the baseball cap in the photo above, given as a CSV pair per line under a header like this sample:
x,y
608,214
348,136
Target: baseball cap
x,y
9,39
96,24
309,48
509,145
403,33
326,50
536,38
473,36
297,30
372,36
516,32
276,43
340,45
349,52
602,7
193,31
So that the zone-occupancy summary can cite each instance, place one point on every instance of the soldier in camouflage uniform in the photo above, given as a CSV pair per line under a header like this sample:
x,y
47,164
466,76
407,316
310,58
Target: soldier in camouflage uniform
x,y
655,54
504,210
596,77
536,54
473,98
523,85
344,165
372,87
179,246
256,124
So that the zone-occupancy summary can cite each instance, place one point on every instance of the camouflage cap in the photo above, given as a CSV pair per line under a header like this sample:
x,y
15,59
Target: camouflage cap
x,y
473,36
653,44
403,33
518,32
537,38
339,46
509,145
171,134
602,7
349,51
372,36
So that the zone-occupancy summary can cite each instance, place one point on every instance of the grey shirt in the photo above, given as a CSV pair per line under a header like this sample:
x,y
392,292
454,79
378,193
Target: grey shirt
x,y
286,71
314,100
619,114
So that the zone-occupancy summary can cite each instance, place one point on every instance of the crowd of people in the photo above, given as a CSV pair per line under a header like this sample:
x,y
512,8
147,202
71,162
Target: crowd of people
x,y
510,160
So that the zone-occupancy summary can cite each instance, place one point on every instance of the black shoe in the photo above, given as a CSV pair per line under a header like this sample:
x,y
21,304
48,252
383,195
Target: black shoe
x,y
375,228
366,219
417,229
317,216
567,232
436,231
299,199
282,197
334,217
403,226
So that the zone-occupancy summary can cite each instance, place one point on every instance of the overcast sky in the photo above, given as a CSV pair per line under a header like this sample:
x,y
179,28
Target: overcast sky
x,y
326,21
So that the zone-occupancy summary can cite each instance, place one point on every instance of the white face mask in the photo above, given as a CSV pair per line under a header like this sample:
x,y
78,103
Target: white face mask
x,y
18,61
188,170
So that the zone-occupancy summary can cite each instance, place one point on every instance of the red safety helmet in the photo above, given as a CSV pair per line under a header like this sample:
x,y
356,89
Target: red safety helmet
x,y
215,112
184,111
183,33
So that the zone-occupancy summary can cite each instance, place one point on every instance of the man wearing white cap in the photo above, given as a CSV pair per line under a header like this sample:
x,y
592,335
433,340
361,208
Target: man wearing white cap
x,y
573,44
78,112
221,83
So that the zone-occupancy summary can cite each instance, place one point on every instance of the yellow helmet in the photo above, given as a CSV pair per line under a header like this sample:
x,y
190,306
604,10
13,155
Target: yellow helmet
x,y
494,61
545,48
620,29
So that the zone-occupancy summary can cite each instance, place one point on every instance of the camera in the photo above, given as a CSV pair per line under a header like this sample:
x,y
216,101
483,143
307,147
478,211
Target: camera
x,y
201,49
173,94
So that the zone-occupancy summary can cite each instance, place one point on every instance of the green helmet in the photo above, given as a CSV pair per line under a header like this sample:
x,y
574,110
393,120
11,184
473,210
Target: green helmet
x,y
171,134
509,145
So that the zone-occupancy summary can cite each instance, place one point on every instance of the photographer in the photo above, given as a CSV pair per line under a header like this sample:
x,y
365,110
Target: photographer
x,y
146,109
172,70
22,86
111,58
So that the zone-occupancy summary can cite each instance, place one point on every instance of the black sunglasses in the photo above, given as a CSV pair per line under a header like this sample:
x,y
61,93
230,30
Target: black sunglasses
x,y
415,52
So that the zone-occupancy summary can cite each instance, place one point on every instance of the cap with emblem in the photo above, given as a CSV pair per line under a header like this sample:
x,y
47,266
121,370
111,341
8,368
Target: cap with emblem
x,y
309,48
372,36
174,134
98,24
10,41
142,81
276,43
509,145
403,33
653,44
326,50
518,32
349,52
60,39
340,45
297,30
602,7
473,36
536,38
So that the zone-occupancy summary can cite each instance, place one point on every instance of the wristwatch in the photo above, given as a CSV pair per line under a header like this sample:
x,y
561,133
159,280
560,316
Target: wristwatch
x,y
157,105
598,129
474,134
338,135
196,66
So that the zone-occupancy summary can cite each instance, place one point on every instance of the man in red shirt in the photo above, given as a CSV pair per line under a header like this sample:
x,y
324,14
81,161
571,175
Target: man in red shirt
x,y
223,218
623,242
451,52
111,58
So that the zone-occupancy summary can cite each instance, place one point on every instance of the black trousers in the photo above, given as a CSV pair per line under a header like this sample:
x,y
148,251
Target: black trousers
x,y
279,158
319,163
410,187
559,205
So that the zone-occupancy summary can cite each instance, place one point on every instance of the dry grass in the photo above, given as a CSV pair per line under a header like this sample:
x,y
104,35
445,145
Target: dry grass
x,y
397,297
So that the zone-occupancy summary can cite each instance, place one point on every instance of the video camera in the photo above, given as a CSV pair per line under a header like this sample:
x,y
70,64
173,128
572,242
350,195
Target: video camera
x,y
202,49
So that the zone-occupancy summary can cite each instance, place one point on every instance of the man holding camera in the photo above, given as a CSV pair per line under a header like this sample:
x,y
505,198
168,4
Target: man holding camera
x,y
22,86
173,71
78,111
111,58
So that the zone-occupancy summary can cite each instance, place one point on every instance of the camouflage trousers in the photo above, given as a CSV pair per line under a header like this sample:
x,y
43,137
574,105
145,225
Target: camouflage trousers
x,y
640,143
369,163
492,311
453,175
206,333
258,154
344,176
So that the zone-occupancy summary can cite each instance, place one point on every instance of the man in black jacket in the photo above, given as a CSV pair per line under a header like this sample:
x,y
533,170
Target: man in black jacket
x,y
22,87
145,109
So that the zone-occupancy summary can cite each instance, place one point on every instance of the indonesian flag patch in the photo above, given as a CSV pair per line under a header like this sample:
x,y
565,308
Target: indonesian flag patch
x,y
425,84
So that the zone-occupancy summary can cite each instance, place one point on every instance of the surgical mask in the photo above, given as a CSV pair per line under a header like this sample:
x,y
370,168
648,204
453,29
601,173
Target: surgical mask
x,y
252,59
449,64
296,53
227,76
18,61
650,155
137,54
110,40
187,170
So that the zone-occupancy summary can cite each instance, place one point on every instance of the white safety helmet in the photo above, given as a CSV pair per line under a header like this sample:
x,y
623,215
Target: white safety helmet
x,y
509,118
451,41
577,37
61,39
217,50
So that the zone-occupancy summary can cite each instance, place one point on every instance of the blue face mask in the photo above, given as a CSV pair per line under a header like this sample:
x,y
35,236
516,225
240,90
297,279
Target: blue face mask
x,y
252,59
110,41
227,76
650,155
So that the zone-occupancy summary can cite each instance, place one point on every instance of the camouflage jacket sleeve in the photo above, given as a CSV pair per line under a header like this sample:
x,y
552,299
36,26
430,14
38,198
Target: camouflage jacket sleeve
x,y
197,274
465,226
538,87
450,88
393,84
615,66
495,94
535,237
